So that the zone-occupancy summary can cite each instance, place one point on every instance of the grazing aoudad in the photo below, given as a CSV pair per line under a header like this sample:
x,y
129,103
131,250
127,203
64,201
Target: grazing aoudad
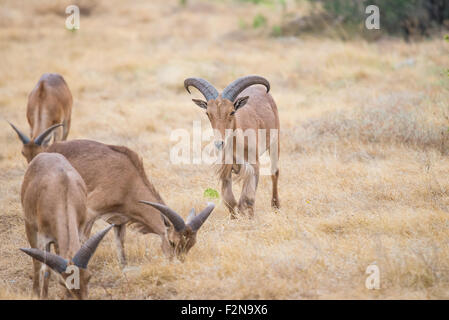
x,y
120,192
315,154
49,108
244,111
54,198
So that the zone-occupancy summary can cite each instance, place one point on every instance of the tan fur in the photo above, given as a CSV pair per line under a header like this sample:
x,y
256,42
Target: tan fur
x,y
116,181
260,112
54,203
49,103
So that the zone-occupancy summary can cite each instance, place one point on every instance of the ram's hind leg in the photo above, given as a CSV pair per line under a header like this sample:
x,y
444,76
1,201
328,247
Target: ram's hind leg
x,y
275,203
274,159
36,278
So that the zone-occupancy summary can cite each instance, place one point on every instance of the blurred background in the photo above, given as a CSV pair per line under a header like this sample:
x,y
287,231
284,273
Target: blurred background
x,y
364,140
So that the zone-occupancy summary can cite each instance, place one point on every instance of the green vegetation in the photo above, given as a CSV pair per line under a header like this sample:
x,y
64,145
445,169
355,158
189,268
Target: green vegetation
x,y
399,17
259,21
211,193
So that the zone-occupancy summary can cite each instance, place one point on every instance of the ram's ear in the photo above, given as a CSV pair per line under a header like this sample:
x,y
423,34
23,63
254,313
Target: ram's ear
x,y
240,102
200,103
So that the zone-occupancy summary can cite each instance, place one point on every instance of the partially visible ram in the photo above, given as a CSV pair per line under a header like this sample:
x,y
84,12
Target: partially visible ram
x,y
54,198
49,106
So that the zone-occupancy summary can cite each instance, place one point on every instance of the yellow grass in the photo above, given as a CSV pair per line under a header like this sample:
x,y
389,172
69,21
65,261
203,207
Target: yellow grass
x,y
364,165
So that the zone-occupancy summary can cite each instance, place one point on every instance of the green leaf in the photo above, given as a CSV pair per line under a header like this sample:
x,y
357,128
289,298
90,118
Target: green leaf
x,y
211,193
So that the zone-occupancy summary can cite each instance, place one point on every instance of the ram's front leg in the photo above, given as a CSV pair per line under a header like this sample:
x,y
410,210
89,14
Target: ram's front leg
x,y
248,196
227,194
45,276
31,233
120,232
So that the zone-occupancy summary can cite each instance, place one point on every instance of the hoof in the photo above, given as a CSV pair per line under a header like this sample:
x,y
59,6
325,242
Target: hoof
x,y
275,203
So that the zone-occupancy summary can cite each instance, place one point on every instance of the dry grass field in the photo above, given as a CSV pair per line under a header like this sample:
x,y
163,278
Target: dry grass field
x,y
364,150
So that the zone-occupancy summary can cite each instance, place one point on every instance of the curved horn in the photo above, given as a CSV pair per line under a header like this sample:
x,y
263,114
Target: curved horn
x,y
208,90
87,250
45,134
198,221
22,136
54,261
175,219
235,87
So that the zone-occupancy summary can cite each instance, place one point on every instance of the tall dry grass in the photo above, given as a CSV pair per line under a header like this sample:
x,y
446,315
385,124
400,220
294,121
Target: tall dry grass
x,y
363,150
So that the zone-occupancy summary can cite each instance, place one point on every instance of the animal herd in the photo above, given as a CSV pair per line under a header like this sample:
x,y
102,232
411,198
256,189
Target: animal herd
x,y
68,185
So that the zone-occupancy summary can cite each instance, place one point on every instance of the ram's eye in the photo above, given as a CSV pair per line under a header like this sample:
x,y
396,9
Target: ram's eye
x,y
232,113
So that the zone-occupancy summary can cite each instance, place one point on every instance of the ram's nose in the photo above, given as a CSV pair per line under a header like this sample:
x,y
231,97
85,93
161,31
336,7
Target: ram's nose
x,y
219,144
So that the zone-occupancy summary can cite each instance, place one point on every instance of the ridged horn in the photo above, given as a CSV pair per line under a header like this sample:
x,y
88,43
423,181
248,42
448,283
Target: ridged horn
x,y
235,87
87,250
40,139
175,219
208,90
198,221
22,136
54,261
